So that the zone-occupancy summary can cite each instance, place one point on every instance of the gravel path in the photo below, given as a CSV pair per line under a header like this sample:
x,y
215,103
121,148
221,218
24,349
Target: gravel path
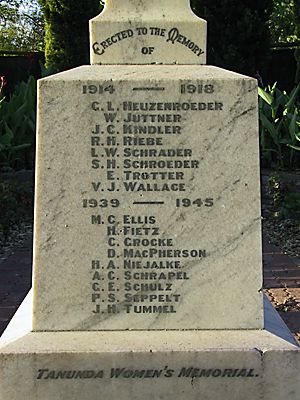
x,y
285,234
16,238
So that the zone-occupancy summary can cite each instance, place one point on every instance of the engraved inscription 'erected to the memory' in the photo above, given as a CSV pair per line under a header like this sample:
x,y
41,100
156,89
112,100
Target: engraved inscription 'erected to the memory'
x,y
157,223
148,32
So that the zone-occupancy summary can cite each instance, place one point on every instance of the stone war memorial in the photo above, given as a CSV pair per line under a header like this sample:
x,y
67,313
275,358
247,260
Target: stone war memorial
x,y
147,243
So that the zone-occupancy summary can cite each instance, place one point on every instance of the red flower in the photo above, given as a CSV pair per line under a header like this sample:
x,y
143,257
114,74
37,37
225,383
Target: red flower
x,y
2,81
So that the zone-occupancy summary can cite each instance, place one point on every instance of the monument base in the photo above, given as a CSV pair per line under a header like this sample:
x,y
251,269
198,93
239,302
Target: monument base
x,y
209,365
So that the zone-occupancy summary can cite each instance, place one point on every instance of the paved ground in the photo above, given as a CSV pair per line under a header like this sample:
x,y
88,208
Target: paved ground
x,y
281,283
282,286
15,282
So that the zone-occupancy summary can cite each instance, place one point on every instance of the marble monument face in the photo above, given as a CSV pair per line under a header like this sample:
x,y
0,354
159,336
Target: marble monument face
x,y
147,200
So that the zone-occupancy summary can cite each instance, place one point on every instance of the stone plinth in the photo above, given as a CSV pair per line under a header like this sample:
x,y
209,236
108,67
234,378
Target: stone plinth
x,y
147,200
218,365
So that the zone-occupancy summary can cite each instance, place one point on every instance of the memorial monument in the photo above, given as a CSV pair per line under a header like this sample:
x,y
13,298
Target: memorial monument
x,y
147,247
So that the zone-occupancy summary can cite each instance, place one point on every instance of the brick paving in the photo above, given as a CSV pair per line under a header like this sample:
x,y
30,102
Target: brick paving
x,y
281,283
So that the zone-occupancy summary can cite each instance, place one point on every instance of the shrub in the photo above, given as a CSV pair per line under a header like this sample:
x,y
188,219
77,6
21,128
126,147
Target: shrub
x,y
67,31
279,114
16,205
238,34
285,198
17,127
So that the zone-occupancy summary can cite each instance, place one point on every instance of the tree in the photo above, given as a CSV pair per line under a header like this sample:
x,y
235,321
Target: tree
x,y
22,25
297,30
238,35
67,31
285,27
282,22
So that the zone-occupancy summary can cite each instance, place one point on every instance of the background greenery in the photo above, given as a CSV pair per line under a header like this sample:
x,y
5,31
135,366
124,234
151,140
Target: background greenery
x,y
22,25
67,31
284,23
241,35
238,34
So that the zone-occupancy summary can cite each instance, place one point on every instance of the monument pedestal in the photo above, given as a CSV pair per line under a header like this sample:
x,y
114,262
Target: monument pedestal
x,y
211,365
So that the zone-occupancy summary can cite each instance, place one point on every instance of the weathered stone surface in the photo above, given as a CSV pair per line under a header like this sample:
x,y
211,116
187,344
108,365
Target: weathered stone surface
x,y
84,371
147,200
129,365
147,32
79,365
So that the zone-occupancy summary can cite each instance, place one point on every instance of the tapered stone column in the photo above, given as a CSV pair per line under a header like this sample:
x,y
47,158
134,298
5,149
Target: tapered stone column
x,y
125,7
148,32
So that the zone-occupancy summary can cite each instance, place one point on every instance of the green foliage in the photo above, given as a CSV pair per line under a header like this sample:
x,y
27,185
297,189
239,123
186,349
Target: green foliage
x,y
67,31
17,127
285,199
297,18
22,25
283,25
238,35
47,71
8,206
297,51
16,204
275,191
279,115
